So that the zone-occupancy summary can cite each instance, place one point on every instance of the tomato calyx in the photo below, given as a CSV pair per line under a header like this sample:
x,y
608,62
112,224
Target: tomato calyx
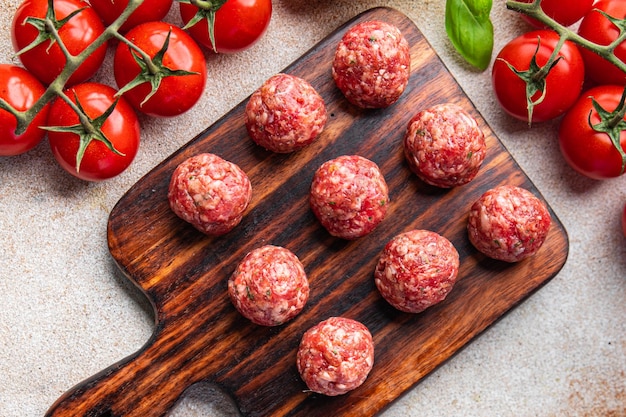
x,y
48,28
612,123
620,24
206,10
535,76
87,130
152,70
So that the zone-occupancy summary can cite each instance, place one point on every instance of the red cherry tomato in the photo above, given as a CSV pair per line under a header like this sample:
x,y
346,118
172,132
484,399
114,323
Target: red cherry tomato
x,y
563,83
239,24
20,89
597,28
590,152
149,11
121,128
46,60
566,15
176,94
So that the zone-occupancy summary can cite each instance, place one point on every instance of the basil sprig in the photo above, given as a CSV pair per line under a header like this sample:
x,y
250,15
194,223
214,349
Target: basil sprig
x,y
470,30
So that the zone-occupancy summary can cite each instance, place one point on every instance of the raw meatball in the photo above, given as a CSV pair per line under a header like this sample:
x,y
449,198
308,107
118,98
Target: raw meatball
x,y
285,114
335,356
372,64
269,286
349,196
444,146
210,193
508,223
416,270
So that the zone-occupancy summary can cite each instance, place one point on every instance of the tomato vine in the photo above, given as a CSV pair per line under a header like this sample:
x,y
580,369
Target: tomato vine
x,y
55,89
43,24
535,11
611,121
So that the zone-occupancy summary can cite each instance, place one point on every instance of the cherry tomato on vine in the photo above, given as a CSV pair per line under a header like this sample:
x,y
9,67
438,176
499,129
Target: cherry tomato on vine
x,y
239,24
563,83
597,28
46,60
565,14
180,80
121,128
588,151
21,90
149,11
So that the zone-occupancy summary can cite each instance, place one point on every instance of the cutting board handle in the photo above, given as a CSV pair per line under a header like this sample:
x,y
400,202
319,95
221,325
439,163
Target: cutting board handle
x,y
134,387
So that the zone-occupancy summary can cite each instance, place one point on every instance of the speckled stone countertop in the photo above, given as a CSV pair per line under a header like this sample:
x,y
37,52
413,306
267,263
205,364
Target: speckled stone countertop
x,y
67,312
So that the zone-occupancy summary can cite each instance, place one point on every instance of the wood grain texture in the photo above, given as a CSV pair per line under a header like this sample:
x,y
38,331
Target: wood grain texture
x,y
199,336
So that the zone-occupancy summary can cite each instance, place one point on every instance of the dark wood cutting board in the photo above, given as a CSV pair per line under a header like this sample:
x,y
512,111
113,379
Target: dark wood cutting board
x,y
200,337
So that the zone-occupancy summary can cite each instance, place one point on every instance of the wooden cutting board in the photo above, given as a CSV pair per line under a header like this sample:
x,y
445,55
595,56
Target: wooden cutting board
x,y
199,336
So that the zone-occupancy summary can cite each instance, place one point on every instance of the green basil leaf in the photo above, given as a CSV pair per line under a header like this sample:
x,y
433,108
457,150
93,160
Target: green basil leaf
x,y
470,30
479,8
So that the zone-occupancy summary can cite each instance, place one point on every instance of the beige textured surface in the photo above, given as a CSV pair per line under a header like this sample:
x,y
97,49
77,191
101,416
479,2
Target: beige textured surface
x,y
66,312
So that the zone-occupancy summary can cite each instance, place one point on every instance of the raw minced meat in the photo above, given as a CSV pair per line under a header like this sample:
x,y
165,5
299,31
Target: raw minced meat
x,y
508,223
349,196
269,286
372,64
335,356
416,270
210,193
444,146
285,114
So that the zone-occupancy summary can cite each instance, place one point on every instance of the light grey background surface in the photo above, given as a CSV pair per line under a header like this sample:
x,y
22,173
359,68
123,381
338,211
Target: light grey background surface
x,y
66,312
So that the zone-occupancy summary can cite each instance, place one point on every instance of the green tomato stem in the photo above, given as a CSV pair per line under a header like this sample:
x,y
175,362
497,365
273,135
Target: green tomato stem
x,y
213,5
619,112
51,28
544,70
83,119
207,9
605,51
153,69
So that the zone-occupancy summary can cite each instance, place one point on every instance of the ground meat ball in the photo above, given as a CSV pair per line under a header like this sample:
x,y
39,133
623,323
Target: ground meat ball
x,y
372,64
210,193
335,356
508,223
444,146
285,114
416,270
269,286
349,196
